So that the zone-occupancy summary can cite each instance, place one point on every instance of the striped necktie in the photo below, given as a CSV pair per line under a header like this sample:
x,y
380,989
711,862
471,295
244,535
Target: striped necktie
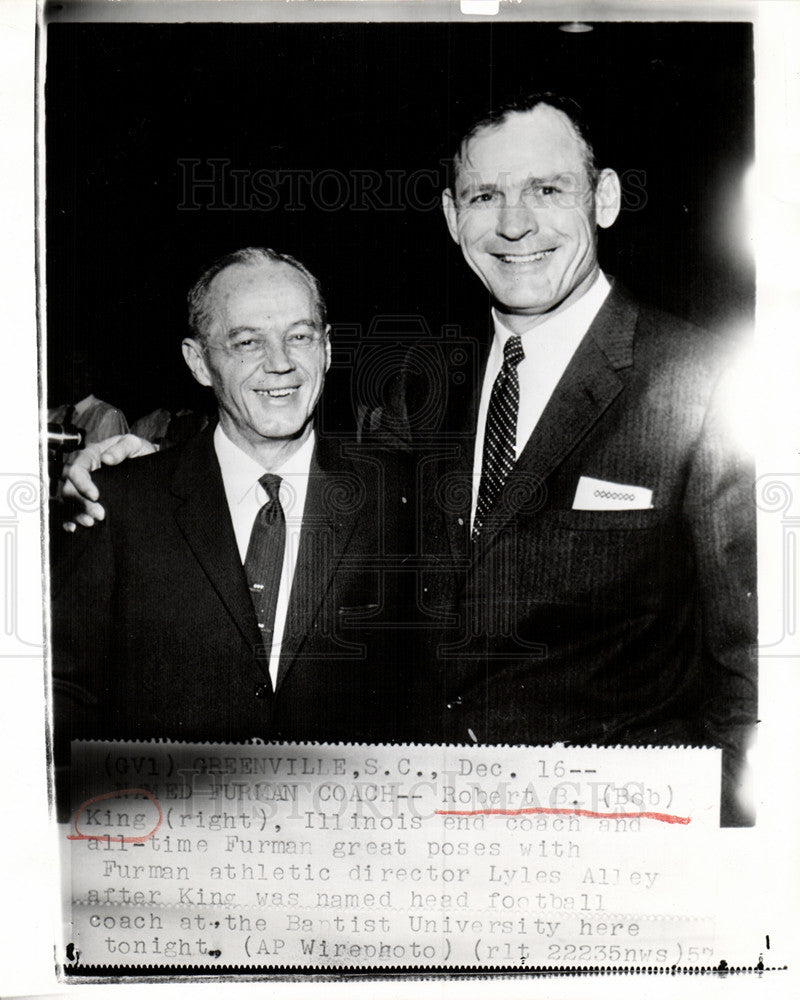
x,y
264,561
499,447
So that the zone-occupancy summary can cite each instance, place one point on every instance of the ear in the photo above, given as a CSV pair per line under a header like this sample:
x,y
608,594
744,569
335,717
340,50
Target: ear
x,y
327,347
195,358
450,213
607,198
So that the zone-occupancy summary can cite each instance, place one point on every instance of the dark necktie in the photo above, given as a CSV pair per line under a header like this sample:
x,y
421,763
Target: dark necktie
x,y
499,446
264,560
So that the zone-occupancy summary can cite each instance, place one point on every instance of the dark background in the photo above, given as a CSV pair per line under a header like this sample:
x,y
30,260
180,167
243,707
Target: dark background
x,y
673,111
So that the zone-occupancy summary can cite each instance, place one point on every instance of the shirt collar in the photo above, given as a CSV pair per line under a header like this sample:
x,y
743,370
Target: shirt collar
x,y
578,316
241,472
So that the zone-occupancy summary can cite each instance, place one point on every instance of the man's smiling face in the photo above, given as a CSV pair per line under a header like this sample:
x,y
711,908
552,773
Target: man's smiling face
x,y
525,213
265,353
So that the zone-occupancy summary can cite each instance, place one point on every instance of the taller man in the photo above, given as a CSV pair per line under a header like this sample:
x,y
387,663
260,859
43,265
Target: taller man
x,y
600,548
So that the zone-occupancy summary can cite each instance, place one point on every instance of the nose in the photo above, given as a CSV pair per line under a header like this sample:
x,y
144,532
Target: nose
x,y
515,221
275,360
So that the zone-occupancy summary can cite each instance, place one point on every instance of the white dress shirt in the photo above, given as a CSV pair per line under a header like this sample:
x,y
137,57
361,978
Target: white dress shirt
x,y
246,497
548,348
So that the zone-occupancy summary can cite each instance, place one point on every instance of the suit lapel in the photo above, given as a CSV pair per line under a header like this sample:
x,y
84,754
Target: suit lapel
x,y
587,388
204,519
324,536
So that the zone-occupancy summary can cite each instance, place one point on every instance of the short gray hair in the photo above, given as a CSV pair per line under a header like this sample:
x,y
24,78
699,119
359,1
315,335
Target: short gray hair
x,y
197,299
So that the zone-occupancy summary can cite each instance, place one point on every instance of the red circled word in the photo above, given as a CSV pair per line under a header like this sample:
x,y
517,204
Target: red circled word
x,y
140,839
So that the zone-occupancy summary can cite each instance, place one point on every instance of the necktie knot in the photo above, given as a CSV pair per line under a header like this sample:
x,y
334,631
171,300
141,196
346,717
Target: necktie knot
x,y
513,352
271,485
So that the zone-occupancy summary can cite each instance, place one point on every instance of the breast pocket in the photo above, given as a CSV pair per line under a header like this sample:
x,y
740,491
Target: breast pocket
x,y
622,559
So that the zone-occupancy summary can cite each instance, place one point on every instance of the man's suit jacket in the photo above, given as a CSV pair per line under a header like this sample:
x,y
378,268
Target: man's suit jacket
x,y
153,628
588,626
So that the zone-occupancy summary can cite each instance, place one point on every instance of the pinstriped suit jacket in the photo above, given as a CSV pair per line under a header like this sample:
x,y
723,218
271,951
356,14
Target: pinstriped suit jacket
x,y
600,626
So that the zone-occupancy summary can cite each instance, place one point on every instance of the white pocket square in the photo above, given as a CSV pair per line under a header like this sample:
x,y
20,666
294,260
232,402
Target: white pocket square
x,y
597,494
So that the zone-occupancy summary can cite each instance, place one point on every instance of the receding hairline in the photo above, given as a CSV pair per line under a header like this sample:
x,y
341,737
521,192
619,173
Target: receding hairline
x,y
200,294
263,264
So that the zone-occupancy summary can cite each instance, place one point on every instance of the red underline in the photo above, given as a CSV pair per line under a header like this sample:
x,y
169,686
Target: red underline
x,y
661,817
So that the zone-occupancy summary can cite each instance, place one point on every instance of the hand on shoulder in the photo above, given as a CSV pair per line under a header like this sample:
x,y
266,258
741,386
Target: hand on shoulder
x,y
77,482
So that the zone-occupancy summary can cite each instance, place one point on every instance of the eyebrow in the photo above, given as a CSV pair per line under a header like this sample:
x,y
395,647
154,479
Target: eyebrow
x,y
303,322
476,189
235,331
469,188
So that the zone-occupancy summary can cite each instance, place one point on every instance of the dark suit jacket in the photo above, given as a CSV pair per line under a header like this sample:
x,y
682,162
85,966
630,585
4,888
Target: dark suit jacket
x,y
633,626
153,629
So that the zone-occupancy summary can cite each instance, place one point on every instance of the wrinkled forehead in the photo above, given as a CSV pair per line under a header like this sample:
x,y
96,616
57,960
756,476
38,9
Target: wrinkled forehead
x,y
261,293
539,143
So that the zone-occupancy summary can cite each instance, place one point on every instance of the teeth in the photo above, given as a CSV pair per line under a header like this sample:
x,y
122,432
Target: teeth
x,y
528,258
277,393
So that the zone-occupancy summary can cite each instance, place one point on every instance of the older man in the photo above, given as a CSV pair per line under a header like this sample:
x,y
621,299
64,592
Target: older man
x,y
236,590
